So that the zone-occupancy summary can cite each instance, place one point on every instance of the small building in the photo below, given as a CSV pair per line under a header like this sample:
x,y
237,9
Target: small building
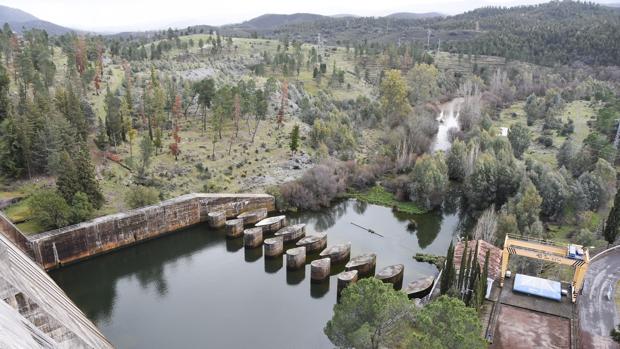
x,y
495,256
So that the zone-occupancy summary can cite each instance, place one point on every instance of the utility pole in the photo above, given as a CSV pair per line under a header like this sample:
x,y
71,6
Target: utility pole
x,y
428,39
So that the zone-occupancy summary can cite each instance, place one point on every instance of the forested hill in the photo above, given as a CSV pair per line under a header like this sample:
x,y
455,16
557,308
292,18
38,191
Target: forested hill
x,y
269,21
550,33
411,15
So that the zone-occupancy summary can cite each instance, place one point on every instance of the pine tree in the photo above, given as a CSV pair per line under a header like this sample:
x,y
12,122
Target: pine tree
x,y
67,182
101,140
113,119
463,266
610,231
294,145
5,102
133,134
157,141
86,177
448,274
485,275
69,105
467,278
146,151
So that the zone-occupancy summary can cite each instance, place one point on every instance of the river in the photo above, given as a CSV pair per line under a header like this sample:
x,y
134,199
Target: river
x,y
448,119
197,289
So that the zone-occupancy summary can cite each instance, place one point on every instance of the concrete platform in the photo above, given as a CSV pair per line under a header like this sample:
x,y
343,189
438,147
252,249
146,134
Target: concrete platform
x,y
519,328
516,320
563,308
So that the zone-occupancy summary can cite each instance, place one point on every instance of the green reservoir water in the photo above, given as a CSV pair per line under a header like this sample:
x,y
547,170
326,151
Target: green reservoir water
x,y
197,289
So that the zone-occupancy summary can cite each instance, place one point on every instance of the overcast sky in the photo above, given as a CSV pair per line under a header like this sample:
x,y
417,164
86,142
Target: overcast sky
x,y
116,15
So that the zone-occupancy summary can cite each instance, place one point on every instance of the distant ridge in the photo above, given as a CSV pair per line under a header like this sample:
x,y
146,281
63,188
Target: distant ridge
x,y
344,15
269,21
19,20
411,15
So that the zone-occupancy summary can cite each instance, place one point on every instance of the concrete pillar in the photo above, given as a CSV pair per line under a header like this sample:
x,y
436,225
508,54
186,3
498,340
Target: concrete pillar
x,y
392,274
254,216
274,246
319,269
292,232
216,219
337,253
295,258
272,224
234,228
345,279
314,242
253,237
364,264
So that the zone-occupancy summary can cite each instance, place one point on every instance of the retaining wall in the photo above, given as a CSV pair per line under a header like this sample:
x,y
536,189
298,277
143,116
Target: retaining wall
x,y
55,248
10,231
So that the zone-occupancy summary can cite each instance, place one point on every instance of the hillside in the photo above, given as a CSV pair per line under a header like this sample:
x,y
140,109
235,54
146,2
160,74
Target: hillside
x,y
20,20
548,34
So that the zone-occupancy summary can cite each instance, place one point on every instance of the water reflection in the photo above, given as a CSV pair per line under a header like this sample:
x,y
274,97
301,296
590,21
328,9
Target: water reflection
x,y
319,289
92,284
325,219
273,264
252,254
295,277
360,206
234,245
452,202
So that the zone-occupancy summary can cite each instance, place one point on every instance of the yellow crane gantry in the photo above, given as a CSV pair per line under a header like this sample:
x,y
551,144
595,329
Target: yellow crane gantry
x,y
547,252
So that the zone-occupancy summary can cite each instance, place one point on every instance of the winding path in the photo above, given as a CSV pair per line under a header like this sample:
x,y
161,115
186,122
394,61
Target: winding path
x,y
598,313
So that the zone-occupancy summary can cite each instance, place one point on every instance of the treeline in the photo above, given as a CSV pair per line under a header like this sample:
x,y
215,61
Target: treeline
x,y
154,47
556,32
44,128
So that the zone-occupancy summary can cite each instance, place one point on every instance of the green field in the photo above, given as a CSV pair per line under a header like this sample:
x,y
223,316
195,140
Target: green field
x,y
379,196
579,111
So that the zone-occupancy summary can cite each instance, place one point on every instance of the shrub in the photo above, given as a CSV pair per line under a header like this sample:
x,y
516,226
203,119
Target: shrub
x,y
429,180
49,209
546,141
81,208
585,238
140,196
318,186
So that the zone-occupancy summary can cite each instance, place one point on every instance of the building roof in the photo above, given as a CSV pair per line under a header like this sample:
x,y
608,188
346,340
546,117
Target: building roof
x,y
495,257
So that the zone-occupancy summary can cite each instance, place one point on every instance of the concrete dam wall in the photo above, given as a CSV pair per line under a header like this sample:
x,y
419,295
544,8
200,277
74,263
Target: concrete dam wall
x,y
36,313
55,248
13,234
